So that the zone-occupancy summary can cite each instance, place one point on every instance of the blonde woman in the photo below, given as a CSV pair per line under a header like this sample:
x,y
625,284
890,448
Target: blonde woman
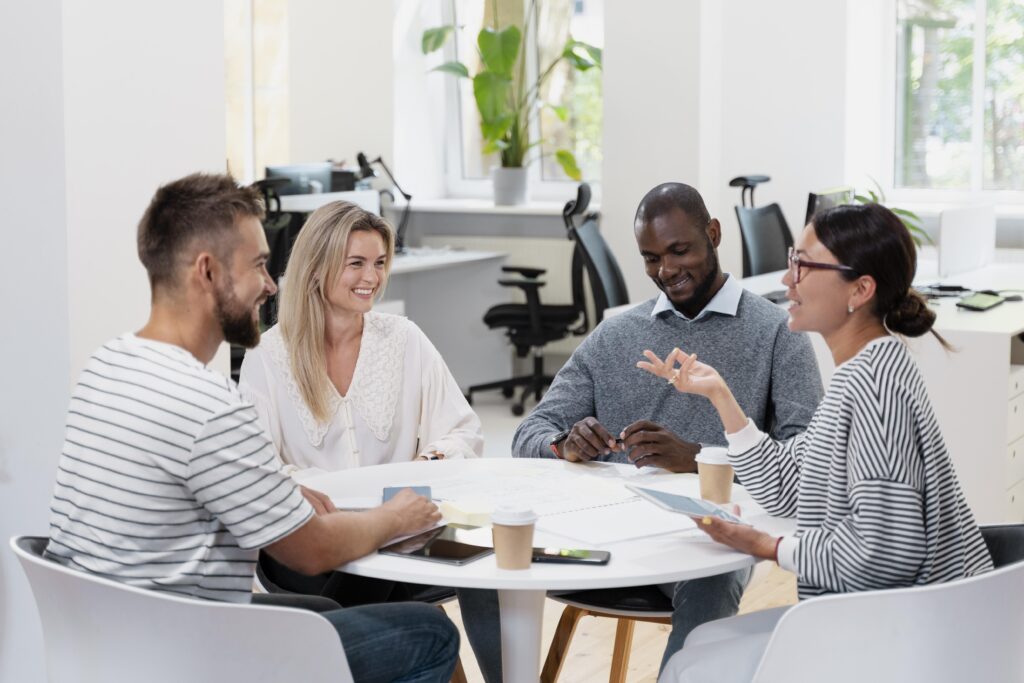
x,y
338,385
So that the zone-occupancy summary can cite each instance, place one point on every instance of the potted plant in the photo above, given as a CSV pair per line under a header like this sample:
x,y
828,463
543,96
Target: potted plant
x,y
909,219
507,103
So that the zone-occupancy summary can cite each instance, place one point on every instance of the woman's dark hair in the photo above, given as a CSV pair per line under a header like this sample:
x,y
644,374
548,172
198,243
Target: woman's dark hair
x,y
873,241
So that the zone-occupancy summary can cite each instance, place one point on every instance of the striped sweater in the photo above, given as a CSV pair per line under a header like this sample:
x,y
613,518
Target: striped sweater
x,y
870,482
166,480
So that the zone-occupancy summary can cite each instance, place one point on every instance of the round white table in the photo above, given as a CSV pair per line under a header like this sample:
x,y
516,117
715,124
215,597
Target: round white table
x,y
643,561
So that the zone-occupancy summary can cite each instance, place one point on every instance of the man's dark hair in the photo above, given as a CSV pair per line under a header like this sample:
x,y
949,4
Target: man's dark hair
x,y
200,206
668,196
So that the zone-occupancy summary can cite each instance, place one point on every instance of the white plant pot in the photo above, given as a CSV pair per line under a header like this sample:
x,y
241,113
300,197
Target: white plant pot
x,y
509,185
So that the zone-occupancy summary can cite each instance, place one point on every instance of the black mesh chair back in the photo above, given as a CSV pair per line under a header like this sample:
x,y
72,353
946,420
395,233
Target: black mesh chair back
x,y
766,239
607,285
1005,543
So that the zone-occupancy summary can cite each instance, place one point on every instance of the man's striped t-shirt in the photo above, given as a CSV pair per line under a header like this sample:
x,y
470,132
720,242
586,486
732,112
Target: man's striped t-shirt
x,y
166,480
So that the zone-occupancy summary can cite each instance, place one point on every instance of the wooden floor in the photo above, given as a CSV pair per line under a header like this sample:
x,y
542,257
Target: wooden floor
x,y
590,654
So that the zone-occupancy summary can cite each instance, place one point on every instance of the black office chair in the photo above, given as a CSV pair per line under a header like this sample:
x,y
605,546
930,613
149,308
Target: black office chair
x,y
533,325
764,232
1005,543
766,239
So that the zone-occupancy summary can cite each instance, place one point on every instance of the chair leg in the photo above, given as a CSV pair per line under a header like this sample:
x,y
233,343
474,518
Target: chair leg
x,y
620,653
459,675
560,643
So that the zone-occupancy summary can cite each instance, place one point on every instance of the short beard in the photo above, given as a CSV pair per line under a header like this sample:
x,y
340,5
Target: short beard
x,y
701,292
236,322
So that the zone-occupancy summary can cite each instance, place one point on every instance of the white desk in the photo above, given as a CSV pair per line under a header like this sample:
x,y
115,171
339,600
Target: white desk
x,y
660,559
446,293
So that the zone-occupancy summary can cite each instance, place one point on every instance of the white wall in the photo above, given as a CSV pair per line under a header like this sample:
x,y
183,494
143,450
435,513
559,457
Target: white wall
x,y
340,79
139,111
651,115
34,341
783,75
700,92
102,103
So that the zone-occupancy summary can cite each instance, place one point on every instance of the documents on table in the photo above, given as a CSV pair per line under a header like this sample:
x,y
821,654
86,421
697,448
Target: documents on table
x,y
594,508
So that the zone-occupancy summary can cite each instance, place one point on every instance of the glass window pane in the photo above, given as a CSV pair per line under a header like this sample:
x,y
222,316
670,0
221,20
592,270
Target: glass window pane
x,y
935,45
576,93
1004,95
470,17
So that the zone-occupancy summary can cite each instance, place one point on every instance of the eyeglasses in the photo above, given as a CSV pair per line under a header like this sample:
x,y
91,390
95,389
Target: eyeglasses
x,y
796,263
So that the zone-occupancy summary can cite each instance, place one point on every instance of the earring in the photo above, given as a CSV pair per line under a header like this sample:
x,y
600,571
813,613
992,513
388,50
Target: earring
x,y
849,308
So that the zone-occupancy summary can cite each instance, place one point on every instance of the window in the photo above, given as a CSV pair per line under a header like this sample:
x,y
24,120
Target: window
x,y
256,85
960,95
571,117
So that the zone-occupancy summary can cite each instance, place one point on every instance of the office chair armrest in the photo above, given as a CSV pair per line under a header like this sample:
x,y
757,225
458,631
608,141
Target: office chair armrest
x,y
523,284
525,272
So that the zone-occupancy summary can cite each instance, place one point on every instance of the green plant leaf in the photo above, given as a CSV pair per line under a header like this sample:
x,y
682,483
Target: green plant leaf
x,y
491,93
581,55
862,199
561,112
495,129
908,214
435,38
567,161
499,49
454,68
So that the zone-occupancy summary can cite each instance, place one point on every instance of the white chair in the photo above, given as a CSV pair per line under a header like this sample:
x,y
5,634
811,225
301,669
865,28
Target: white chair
x,y
96,630
968,630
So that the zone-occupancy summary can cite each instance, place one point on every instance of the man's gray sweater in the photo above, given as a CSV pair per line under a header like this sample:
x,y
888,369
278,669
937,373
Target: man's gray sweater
x,y
771,371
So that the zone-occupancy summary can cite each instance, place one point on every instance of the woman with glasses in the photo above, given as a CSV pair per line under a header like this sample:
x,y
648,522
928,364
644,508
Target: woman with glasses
x,y
869,481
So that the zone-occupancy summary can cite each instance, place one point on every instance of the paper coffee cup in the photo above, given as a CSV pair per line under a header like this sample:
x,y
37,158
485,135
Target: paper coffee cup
x,y
715,474
512,531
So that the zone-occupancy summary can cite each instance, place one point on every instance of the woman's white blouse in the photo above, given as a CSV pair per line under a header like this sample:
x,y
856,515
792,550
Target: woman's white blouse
x,y
402,402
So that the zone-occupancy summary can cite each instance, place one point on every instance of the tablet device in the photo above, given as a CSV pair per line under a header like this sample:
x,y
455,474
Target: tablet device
x,y
571,556
694,507
442,544
391,491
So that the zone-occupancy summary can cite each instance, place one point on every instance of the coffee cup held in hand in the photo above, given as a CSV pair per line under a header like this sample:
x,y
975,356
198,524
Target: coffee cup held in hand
x,y
715,474
512,529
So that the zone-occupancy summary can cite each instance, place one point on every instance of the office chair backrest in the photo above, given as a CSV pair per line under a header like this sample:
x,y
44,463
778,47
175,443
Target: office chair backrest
x,y
766,238
96,630
966,630
607,285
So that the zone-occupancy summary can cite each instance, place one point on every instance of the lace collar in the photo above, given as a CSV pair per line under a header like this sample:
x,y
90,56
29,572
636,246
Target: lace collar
x,y
376,383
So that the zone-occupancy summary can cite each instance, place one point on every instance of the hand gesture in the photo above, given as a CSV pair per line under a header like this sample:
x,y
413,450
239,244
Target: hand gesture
x,y
587,440
412,512
741,537
652,444
684,372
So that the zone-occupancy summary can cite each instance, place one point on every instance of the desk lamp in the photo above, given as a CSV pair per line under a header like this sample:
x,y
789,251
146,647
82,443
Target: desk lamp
x,y
366,171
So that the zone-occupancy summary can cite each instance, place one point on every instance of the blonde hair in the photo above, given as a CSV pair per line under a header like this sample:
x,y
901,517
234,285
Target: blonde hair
x,y
316,262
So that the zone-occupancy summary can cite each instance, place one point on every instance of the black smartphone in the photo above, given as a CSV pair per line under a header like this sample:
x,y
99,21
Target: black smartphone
x,y
980,302
571,555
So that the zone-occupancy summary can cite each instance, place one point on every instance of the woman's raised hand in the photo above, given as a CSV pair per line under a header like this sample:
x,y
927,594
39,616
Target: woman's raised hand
x,y
684,372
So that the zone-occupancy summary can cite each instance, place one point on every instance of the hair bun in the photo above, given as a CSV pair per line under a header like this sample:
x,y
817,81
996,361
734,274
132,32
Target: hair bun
x,y
911,316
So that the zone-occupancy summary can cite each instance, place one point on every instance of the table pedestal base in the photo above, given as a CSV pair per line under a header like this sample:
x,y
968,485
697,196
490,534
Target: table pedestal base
x,y
522,615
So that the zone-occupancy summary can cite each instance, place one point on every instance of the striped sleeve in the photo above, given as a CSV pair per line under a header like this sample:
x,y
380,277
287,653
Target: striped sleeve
x,y
881,542
234,473
768,469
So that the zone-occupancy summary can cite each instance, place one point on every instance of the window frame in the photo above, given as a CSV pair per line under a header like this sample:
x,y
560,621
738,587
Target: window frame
x,y
459,186
976,193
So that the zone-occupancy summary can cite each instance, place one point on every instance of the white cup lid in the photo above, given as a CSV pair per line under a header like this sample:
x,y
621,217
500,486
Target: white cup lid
x,y
510,515
713,455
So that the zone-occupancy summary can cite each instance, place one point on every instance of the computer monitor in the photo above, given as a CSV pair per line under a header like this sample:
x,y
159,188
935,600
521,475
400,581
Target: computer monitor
x,y
305,178
826,199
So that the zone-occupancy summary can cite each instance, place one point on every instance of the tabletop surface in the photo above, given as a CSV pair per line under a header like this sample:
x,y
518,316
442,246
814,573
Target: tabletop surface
x,y
683,554
417,259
